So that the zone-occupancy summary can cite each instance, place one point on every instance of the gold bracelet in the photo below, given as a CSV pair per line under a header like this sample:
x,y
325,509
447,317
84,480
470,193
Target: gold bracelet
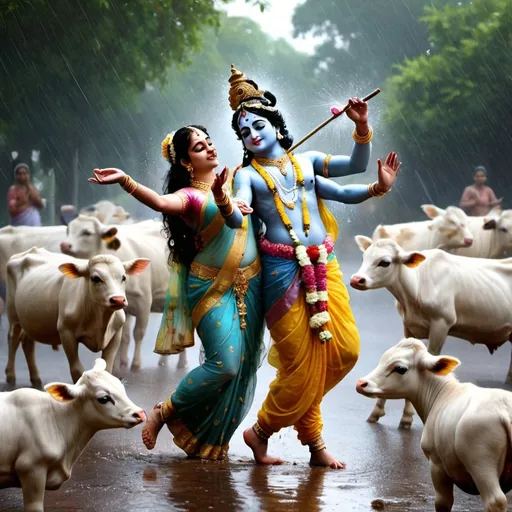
x,y
325,170
222,202
128,184
372,190
363,139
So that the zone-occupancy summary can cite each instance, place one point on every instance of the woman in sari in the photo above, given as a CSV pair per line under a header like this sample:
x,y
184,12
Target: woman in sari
x,y
23,199
214,288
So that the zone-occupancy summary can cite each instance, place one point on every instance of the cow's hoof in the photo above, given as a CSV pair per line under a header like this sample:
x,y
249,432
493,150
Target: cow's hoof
x,y
135,367
162,362
11,380
405,425
37,383
182,366
373,419
123,364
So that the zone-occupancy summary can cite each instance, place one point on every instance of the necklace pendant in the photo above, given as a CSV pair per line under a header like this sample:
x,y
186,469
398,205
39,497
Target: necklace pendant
x,y
289,204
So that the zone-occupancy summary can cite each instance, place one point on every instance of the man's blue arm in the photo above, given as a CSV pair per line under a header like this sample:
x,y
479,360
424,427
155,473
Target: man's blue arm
x,y
342,165
332,191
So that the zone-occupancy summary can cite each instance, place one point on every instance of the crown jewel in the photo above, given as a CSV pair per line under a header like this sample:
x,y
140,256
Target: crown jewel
x,y
241,89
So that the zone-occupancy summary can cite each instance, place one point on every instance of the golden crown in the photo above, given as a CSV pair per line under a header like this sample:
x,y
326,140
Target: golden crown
x,y
241,89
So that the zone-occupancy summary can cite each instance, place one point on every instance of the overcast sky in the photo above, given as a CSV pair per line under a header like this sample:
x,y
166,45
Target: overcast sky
x,y
276,20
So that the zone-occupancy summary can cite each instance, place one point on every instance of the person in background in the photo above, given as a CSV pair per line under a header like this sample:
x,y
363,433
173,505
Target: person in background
x,y
23,199
479,199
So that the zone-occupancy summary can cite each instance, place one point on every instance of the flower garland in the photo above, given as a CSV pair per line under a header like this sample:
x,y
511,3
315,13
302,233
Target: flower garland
x,y
314,277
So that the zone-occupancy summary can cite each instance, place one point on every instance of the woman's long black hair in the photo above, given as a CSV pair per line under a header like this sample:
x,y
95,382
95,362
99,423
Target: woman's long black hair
x,y
276,120
180,237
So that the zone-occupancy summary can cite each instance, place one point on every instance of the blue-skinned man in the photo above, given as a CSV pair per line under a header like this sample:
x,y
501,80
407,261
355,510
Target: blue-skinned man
x,y
315,341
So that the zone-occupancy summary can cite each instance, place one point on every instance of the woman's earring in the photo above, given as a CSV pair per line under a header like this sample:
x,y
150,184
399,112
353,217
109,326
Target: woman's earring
x,y
279,136
190,169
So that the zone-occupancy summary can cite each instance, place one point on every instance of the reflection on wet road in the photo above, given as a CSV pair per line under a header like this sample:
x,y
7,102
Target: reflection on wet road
x,y
386,469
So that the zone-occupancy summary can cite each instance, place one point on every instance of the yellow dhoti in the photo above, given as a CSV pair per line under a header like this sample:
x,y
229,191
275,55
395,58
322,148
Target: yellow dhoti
x,y
307,368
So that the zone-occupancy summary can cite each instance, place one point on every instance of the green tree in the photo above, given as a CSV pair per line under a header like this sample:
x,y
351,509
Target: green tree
x,y
364,38
449,110
69,68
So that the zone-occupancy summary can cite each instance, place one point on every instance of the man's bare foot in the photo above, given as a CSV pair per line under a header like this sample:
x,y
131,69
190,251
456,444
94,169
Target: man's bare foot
x,y
324,458
259,448
152,427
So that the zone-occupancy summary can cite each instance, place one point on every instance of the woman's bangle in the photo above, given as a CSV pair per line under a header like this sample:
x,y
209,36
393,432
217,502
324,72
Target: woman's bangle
x,y
373,192
227,210
128,184
363,139
223,201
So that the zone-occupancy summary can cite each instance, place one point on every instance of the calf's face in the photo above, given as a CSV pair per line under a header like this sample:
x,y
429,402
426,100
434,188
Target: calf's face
x,y
107,278
402,369
85,237
451,225
502,226
102,399
381,265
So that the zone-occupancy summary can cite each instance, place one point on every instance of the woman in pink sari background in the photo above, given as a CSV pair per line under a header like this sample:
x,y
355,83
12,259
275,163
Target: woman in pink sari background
x,y
23,199
479,199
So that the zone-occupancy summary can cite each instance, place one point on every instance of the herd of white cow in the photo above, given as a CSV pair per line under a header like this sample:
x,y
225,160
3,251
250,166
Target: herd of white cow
x,y
81,283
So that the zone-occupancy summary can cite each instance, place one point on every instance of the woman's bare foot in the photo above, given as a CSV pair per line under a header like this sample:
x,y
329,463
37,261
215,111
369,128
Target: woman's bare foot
x,y
324,458
152,427
259,448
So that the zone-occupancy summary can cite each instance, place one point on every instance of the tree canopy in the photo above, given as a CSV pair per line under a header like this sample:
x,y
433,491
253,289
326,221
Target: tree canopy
x,y
364,38
70,69
449,110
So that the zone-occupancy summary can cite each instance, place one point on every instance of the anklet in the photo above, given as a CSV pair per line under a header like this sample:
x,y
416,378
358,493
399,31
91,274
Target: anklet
x,y
317,445
260,432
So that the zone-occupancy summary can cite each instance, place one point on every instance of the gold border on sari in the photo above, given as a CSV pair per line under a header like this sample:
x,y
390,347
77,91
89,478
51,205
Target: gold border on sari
x,y
240,282
212,230
186,440
226,276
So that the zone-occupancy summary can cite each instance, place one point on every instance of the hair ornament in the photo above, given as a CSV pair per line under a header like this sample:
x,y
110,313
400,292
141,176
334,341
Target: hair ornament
x,y
168,151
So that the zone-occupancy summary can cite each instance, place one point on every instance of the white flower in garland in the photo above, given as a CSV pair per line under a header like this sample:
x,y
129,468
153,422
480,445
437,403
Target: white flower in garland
x,y
302,256
323,296
312,297
319,319
323,254
325,336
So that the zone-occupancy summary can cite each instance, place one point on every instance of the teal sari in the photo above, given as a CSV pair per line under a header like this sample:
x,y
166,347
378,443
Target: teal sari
x,y
223,303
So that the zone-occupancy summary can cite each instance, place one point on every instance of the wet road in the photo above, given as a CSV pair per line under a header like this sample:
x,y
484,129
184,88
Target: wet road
x,y
385,466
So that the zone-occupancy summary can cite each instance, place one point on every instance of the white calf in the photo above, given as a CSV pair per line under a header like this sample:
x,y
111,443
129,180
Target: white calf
x,y
447,230
56,299
440,294
146,293
493,235
44,433
467,435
